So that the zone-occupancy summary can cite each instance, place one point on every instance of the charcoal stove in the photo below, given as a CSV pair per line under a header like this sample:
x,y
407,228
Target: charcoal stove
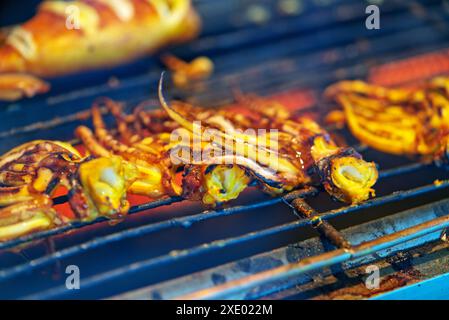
x,y
258,247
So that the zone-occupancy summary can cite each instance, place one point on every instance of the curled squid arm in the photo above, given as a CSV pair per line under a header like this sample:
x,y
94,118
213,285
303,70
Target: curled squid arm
x,y
284,170
396,120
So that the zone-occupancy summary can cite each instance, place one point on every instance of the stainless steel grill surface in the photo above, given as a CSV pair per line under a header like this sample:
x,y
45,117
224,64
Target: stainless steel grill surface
x,y
258,246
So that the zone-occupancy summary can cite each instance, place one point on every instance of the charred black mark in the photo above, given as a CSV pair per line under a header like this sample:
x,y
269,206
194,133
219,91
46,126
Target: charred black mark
x,y
258,265
218,278
401,261
156,295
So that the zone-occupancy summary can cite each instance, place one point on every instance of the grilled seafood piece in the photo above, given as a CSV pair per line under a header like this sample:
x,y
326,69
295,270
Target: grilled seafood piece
x,y
302,148
184,72
30,173
394,120
103,184
106,33
14,86
297,153
35,214
341,170
153,178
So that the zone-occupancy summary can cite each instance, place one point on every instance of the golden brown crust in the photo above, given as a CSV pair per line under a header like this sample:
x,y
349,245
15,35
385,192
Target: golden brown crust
x,y
104,40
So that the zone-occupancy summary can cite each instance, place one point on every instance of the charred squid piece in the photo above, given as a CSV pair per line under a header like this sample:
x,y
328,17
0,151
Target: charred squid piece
x,y
395,120
35,214
214,184
264,161
342,171
37,164
302,147
347,177
96,187
29,175
15,86
40,46
100,186
153,179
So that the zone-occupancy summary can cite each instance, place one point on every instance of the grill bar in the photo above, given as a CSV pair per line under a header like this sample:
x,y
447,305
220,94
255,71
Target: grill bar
x,y
172,257
324,260
323,226
297,251
294,55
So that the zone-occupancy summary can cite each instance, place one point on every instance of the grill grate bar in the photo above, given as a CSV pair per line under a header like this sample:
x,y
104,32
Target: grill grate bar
x,y
134,232
351,62
328,231
316,262
212,246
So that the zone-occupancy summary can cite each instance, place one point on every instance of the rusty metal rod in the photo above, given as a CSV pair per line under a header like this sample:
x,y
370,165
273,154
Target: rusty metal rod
x,y
327,259
322,226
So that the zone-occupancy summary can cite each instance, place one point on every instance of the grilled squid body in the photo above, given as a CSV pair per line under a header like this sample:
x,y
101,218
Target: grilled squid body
x,y
71,36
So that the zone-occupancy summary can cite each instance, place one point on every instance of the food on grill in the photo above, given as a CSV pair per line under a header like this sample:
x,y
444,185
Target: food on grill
x,y
30,174
402,121
153,176
104,183
14,86
184,72
296,152
71,36
302,146
146,157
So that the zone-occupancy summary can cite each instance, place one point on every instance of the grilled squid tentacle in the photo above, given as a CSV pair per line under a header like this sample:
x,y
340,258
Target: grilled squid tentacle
x,y
103,183
342,171
287,172
35,214
107,140
89,141
400,121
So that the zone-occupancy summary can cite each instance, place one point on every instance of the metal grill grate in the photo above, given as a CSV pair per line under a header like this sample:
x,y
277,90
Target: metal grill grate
x,y
320,45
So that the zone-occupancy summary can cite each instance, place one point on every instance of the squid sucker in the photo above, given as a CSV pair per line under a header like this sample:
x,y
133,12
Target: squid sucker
x,y
401,121
71,36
